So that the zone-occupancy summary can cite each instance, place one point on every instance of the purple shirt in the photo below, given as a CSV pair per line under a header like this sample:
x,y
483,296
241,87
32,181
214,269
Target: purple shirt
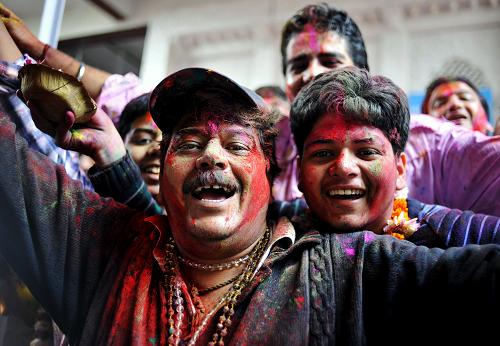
x,y
452,166
117,91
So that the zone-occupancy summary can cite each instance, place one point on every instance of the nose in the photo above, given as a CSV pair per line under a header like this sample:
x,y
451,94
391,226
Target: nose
x,y
212,157
454,102
155,148
344,166
315,68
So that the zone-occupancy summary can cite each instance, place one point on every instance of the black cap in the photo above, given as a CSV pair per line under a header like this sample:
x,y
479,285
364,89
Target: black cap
x,y
176,89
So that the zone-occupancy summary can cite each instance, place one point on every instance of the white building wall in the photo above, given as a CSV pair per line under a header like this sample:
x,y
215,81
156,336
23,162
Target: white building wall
x,y
407,41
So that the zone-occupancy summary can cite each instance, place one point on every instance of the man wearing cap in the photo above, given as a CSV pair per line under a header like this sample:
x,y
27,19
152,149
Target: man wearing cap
x,y
217,269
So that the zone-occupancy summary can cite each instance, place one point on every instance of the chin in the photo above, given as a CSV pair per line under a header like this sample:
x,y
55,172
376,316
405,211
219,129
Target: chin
x,y
346,225
211,228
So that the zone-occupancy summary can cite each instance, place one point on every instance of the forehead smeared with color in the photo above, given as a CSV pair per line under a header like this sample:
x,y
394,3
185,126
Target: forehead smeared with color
x,y
356,95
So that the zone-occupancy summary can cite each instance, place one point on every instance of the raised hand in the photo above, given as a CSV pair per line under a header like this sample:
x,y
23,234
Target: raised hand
x,y
25,40
97,138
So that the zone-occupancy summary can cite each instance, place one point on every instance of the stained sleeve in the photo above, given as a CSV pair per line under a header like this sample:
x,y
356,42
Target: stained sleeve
x,y
123,181
56,236
444,227
452,294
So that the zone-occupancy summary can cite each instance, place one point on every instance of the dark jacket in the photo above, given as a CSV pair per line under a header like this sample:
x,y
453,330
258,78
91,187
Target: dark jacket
x,y
96,266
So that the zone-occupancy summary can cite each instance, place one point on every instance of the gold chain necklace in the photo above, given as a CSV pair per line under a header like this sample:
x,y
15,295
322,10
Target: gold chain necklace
x,y
214,267
175,302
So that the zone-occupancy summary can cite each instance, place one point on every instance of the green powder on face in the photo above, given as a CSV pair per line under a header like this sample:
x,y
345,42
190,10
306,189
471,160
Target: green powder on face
x,y
376,168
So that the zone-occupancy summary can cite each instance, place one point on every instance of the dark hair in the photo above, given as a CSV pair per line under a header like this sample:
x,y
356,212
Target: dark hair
x,y
448,79
224,108
326,18
136,108
357,95
271,91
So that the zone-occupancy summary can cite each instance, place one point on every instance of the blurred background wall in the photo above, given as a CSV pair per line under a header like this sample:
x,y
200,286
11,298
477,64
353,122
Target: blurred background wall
x,y
410,41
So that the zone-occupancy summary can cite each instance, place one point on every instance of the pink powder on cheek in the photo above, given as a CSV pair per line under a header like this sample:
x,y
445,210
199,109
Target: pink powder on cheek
x,y
259,187
169,159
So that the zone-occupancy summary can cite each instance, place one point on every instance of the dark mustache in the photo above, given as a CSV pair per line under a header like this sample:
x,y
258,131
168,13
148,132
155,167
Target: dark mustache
x,y
210,178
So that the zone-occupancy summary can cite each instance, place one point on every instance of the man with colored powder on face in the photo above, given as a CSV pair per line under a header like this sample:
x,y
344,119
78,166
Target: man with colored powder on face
x,y
218,269
351,130
320,38
457,99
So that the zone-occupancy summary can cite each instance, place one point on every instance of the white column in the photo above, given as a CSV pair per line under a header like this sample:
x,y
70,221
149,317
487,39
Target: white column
x,y
50,25
156,53
394,50
266,64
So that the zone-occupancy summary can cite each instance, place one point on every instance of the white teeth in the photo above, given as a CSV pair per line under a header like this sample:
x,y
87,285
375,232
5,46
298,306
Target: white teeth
x,y
346,192
226,189
153,170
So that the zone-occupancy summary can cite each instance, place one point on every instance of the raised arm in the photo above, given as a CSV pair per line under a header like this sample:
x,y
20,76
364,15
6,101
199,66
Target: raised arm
x,y
9,51
388,290
28,43
55,235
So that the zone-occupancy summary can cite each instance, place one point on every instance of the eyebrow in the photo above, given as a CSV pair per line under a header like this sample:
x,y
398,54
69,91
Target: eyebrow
x,y
320,141
365,140
238,132
199,132
142,129
189,131
303,56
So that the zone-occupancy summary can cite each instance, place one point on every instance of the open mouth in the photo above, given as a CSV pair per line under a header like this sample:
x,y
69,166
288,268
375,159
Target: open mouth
x,y
456,117
346,194
213,192
154,169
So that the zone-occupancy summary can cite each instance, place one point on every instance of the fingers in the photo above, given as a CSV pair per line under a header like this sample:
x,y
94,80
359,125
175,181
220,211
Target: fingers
x,y
41,122
7,13
63,136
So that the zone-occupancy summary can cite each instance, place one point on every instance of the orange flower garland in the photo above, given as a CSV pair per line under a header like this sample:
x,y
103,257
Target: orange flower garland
x,y
400,226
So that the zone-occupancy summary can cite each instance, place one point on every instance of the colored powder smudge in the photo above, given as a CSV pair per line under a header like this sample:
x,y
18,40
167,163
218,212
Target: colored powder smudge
x,y
376,168
313,38
350,252
77,135
299,301
212,128
369,237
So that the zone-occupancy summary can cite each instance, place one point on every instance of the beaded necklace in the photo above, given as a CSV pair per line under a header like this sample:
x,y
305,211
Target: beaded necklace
x,y
175,301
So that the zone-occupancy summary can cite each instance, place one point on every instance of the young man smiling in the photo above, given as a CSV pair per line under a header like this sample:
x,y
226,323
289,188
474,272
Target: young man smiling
x,y
320,38
217,269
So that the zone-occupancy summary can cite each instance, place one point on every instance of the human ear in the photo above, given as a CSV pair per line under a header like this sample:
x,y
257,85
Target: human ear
x,y
299,174
401,171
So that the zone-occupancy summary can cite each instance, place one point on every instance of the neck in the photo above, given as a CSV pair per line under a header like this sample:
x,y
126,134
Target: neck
x,y
215,245
203,279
